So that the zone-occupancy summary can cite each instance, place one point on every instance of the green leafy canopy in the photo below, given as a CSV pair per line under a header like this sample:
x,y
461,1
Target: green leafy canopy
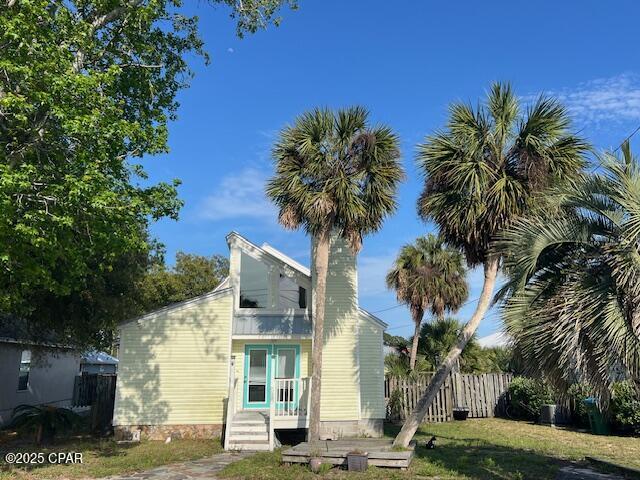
x,y
87,89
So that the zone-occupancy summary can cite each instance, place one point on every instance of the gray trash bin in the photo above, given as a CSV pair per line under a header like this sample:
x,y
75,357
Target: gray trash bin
x,y
548,414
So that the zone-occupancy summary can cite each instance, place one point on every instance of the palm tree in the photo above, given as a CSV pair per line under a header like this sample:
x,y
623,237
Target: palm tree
x,y
335,174
484,170
573,290
437,338
428,275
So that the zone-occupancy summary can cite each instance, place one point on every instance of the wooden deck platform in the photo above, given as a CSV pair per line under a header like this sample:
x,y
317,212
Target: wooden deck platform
x,y
380,450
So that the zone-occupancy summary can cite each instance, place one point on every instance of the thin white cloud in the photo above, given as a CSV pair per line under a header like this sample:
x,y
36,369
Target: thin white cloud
x,y
613,99
239,195
230,50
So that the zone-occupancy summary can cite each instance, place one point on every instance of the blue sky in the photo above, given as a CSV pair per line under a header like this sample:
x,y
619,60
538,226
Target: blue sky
x,y
405,61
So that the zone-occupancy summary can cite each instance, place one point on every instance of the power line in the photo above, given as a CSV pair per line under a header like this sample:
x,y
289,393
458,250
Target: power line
x,y
627,138
403,305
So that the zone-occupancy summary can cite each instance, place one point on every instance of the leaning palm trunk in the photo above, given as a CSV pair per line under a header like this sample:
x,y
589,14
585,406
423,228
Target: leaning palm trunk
x,y
417,416
321,262
414,344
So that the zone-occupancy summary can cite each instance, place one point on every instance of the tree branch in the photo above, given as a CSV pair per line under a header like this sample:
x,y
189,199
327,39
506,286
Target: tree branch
x,y
99,22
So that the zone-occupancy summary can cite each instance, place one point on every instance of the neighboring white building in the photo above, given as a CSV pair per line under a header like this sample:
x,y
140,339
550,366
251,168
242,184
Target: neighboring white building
x,y
98,363
34,374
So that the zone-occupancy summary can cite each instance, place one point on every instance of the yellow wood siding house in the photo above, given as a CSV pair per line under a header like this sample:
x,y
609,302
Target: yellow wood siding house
x,y
237,361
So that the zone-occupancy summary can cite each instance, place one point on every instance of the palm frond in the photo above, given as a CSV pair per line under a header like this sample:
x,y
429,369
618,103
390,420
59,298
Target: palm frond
x,y
572,299
333,171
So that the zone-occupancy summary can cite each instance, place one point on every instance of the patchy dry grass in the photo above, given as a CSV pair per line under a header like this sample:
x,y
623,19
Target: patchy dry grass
x,y
472,450
102,458
476,449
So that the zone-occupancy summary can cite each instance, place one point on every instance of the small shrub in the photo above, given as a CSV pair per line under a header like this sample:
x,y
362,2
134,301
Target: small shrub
x,y
46,420
395,406
625,407
578,392
527,396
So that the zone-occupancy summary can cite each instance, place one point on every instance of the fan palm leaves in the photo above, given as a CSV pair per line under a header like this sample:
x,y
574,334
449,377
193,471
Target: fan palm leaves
x,y
428,276
335,175
487,168
46,420
573,289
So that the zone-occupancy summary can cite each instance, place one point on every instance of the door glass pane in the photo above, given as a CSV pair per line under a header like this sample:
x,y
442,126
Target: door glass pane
x,y
258,365
257,375
286,363
257,393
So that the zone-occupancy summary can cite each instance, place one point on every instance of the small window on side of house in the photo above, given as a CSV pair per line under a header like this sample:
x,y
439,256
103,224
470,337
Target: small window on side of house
x,y
25,368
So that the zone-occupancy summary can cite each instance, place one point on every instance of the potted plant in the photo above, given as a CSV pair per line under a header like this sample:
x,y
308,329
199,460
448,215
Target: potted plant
x,y
357,461
460,413
315,460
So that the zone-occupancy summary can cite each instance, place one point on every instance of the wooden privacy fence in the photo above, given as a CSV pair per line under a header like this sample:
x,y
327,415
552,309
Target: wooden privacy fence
x,y
98,392
483,394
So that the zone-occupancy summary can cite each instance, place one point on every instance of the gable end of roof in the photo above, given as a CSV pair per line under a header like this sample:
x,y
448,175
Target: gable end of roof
x,y
176,306
372,318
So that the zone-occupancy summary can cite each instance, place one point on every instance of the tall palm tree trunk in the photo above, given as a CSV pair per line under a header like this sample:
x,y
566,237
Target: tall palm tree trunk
x,y
414,345
417,416
321,265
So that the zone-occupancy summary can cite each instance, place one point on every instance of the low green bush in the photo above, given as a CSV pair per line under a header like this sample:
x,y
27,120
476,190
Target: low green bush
x,y
625,407
527,396
578,393
46,420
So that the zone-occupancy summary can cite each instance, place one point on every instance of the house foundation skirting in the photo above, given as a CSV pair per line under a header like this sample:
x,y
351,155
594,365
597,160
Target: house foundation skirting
x,y
161,432
366,427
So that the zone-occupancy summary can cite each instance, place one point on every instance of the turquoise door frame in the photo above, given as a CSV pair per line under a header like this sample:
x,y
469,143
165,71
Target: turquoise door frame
x,y
272,360
267,394
294,395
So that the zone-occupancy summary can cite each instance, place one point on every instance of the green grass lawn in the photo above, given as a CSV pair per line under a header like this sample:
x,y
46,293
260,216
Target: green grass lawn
x,y
102,458
475,449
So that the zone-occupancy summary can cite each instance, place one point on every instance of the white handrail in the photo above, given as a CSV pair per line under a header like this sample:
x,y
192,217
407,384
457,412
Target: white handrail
x,y
290,397
272,414
231,402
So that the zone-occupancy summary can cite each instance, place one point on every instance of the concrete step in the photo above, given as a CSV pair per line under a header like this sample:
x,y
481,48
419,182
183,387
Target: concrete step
x,y
249,421
248,427
242,436
248,445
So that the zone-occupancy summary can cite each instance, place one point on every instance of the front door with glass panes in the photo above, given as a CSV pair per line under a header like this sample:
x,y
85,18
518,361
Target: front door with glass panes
x,y
287,369
257,373
260,366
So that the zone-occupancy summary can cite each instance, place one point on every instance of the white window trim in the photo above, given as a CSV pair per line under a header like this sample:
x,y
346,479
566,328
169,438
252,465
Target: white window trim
x,y
26,389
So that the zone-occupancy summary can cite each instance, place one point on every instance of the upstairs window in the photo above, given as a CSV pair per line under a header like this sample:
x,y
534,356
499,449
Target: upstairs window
x,y
25,368
254,283
290,294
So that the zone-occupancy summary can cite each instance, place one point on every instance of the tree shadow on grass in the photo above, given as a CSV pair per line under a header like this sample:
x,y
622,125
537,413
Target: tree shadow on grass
x,y
478,459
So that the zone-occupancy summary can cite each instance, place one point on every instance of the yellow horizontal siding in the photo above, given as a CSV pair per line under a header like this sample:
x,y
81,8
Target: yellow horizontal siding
x,y
173,366
371,370
238,348
340,395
